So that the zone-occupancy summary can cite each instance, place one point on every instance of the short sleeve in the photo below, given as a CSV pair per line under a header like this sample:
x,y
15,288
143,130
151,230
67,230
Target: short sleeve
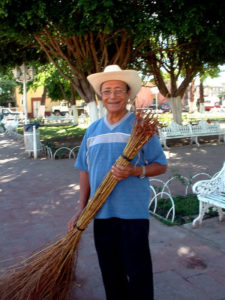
x,y
81,160
153,152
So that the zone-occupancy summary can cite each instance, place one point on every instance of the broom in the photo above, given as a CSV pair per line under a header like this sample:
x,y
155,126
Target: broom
x,y
49,274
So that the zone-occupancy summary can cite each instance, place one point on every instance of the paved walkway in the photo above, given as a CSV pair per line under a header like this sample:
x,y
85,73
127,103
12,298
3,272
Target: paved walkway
x,y
37,198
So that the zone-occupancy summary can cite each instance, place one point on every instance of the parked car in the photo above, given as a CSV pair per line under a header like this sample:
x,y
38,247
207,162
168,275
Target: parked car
x,y
153,106
212,103
60,110
165,107
212,106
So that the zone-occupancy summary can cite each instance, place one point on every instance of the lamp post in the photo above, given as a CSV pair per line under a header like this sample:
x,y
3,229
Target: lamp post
x,y
24,74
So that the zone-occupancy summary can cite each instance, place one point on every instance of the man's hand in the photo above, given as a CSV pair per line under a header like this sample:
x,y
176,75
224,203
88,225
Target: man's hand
x,y
73,220
84,196
153,169
120,172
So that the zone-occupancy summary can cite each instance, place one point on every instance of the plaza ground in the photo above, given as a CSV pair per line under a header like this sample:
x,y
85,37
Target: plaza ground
x,y
38,197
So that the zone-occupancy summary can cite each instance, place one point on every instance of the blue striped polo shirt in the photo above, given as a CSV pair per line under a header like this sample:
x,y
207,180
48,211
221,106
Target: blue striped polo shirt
x,y
102,144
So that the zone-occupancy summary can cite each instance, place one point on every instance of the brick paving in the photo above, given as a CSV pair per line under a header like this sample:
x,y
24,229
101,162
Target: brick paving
x,y
37,198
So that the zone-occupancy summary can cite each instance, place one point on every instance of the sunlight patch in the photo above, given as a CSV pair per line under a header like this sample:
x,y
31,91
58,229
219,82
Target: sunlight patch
x,y
169,154
76,187
62,131
9,159
8,178
35,212
185,251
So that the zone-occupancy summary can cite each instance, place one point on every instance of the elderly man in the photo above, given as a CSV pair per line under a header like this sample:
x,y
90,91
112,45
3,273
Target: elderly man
x,y
121,226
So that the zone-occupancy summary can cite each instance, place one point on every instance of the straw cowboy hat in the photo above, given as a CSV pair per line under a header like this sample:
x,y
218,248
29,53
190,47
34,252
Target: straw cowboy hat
x,y
114,72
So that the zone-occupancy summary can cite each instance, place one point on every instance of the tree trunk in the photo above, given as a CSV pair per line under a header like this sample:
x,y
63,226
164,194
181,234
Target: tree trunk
x,y
101,109
192,97
73,95
176,106
202,108
92,111
202,100
75,115
43,97
85,54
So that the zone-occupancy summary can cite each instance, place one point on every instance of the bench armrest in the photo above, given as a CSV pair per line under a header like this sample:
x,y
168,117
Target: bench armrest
x,y
205,187
215,184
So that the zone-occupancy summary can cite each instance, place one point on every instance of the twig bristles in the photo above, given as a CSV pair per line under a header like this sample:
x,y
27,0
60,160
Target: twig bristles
x,y
48,274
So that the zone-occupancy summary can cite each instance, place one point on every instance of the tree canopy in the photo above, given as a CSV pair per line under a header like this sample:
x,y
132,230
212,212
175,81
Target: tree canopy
x,y
180,36
7,87
55,85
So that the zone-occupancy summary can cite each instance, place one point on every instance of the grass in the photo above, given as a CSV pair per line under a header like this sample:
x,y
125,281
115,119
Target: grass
x,y
52,132
58,136
62,134
165,118
186,207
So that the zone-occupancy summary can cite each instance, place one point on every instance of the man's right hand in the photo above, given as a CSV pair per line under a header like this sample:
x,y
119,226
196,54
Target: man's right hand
x,y
73,220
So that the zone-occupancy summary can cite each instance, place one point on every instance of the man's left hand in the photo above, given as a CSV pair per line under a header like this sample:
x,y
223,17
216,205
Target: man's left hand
x,y
120,172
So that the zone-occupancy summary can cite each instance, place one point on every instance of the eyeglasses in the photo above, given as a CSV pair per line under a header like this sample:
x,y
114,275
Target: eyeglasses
x,y
117,92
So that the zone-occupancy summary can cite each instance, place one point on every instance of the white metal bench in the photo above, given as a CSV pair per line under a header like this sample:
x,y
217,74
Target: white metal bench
x,y
204,128
210,193
10,126
58,119
174,131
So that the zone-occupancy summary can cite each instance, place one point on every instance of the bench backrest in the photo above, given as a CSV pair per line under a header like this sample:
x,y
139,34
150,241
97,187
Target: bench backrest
x,y
175,129
205,127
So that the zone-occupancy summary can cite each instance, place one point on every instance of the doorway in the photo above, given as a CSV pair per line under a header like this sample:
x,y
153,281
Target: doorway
x,y
36,102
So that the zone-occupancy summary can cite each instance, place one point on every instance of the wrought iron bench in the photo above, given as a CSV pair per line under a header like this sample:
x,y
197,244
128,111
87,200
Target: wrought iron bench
x,y
210,193
58,119
175,131
204,128
10,126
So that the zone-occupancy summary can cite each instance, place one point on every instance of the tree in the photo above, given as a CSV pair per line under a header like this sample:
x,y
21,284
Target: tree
x,y
85,36
56,86
7,89
192,97
191,37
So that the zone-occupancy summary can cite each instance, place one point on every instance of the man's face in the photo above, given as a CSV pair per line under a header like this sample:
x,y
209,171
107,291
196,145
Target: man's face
x,y
115,96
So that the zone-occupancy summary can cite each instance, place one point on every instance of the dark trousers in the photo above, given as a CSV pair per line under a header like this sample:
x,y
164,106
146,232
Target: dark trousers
x,y
124,258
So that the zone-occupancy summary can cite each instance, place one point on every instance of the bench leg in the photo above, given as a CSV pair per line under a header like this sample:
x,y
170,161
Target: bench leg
x,y
165,145
223,137
221,214
195,140
203,208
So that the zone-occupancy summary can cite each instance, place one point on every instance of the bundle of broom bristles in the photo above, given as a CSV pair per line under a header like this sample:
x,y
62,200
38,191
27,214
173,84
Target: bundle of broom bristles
x,y
50,273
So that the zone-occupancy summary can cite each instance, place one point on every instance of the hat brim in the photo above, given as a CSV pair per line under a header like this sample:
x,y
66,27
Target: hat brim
x,y
130,77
